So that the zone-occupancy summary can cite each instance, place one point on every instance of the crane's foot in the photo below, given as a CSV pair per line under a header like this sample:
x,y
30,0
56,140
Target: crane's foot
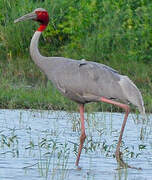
x,y
78,168
121,163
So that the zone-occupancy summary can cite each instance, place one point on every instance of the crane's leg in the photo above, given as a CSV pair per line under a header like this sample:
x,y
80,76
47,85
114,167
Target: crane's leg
x,y
83,135
127,110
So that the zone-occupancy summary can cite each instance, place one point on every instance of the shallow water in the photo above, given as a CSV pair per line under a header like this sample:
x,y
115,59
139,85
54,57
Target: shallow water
x,y
40,145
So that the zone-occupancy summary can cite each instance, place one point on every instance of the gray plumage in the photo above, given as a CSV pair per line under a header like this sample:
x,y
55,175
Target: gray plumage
x,y
85,81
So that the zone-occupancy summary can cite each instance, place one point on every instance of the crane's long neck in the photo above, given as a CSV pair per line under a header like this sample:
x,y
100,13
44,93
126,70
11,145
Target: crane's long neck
x,y
34,51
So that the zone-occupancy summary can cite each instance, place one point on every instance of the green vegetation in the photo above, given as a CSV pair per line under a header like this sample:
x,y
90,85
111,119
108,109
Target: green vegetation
x,y
114,32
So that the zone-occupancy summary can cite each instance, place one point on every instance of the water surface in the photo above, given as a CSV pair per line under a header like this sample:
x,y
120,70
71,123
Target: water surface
x,y
40,145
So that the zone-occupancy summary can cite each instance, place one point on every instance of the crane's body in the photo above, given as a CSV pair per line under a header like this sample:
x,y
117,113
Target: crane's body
x,y
84,81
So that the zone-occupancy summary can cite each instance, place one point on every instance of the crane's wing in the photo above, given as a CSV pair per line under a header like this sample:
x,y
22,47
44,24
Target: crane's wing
x,y
84,62
85,81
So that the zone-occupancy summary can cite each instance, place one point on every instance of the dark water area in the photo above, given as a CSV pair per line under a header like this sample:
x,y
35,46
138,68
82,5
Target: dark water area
x,y
40,145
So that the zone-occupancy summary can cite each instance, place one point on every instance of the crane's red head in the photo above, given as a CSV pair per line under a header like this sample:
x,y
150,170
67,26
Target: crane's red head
x,y
39,15
42,17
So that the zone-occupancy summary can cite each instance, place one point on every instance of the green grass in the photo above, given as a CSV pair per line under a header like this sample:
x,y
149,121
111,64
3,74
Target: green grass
x,y
30,89
116,33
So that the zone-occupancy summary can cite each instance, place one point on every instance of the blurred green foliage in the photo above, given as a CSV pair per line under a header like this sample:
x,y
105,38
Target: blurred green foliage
x,y
92,29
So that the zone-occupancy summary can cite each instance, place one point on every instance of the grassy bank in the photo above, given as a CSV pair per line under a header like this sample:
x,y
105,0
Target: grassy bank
x,y
21,89
116,33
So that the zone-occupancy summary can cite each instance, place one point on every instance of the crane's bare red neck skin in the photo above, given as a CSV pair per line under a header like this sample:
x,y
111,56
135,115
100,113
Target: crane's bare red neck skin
x,y
43,18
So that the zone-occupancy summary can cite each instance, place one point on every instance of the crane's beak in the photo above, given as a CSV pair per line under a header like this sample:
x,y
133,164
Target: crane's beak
x,y
32,16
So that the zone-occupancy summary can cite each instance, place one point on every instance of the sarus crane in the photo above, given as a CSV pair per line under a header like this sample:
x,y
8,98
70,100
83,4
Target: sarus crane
x,y
84,81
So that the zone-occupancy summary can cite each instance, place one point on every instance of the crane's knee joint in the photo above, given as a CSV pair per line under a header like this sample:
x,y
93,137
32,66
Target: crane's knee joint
x,y
82,137
127,109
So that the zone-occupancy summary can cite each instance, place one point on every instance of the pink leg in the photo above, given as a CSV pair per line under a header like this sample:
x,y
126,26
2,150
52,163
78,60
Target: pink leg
x,y
83,135
127,110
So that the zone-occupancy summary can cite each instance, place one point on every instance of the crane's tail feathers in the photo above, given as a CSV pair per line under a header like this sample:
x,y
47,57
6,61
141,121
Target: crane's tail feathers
x,y
132,93
142,110
141,106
